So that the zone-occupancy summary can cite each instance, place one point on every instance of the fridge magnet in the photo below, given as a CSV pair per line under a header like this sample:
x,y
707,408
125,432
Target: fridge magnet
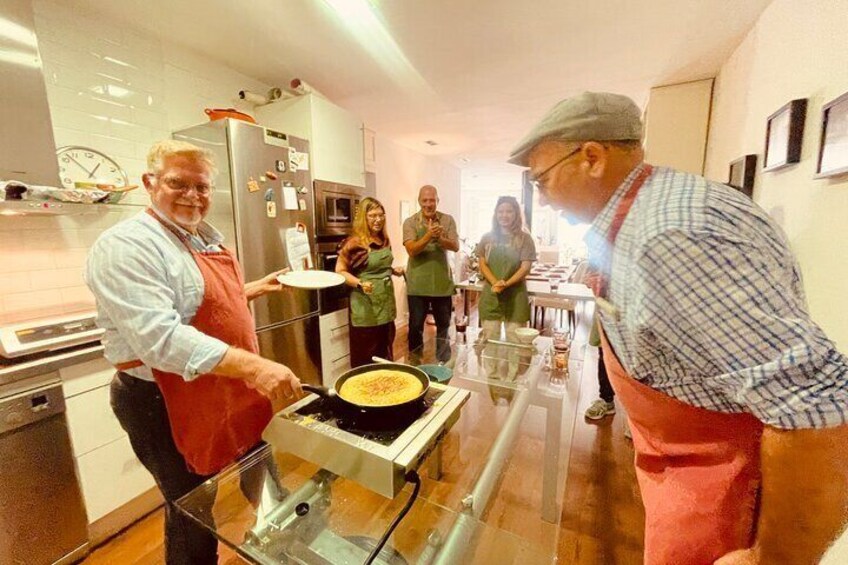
x,y
833,147
784,134
292,160
252,185
271,209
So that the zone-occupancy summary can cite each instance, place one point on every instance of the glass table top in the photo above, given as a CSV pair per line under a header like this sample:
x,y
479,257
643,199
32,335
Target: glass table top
x,y
491,492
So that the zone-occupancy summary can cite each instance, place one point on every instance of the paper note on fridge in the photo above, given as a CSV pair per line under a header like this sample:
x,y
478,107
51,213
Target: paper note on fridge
x,y
297,247
299,161
290,198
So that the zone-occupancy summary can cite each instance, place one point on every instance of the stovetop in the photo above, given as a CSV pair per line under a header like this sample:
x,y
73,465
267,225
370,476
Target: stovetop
x,y
376,454
380,430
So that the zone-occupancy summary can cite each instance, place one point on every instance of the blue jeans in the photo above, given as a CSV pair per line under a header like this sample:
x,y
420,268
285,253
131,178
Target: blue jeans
x,y
442,307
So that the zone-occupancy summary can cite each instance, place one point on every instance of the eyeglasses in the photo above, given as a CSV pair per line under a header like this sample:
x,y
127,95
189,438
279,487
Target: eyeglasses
x,y
536,181
179,185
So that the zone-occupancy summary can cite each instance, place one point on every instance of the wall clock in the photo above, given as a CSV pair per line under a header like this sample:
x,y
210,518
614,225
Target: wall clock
x,y
79,164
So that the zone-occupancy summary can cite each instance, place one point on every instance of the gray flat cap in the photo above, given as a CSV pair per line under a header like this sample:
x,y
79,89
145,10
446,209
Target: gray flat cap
x,y
591,116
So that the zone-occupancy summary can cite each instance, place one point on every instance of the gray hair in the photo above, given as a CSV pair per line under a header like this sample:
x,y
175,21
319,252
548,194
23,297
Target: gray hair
x,y
428,187
161,150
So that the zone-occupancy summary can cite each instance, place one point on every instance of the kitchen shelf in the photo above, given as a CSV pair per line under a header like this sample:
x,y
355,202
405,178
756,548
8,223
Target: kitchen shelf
x,y
10,208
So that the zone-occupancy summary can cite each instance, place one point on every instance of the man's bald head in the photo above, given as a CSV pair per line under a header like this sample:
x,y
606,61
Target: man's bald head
x,y
428,199
428,189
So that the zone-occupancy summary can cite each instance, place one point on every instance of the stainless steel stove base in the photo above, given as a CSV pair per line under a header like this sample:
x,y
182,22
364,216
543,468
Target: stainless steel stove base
x,y
377,467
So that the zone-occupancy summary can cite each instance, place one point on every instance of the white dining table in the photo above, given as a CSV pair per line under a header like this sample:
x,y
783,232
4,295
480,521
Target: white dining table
x,y
542,289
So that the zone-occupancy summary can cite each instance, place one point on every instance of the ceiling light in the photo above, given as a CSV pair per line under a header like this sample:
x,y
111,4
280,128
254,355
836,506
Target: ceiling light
x,y
17,33
361,19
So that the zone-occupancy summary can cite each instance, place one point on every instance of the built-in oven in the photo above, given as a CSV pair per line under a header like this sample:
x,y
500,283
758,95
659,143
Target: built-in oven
x,y
335,208
336,297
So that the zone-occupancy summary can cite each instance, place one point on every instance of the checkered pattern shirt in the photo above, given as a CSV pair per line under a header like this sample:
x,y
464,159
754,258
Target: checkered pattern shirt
x,y
709,305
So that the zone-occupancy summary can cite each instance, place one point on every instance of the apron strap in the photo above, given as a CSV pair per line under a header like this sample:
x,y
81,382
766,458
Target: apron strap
x,y
599,280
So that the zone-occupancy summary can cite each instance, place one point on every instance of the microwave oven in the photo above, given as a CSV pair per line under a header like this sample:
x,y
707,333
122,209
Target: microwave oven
x,y
335,207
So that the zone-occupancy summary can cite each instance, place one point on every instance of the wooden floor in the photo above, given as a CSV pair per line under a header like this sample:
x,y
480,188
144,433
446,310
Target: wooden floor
x,y
602,520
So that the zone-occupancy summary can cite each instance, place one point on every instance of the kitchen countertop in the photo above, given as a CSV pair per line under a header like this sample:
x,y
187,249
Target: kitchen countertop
x,y
18,369
491,493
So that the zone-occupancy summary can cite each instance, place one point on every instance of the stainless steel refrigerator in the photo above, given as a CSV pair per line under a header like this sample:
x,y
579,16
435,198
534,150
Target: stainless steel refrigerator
x,y
263,188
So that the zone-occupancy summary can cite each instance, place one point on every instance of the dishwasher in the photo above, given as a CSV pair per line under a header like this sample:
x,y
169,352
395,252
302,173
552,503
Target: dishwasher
x,y
42,516
42,513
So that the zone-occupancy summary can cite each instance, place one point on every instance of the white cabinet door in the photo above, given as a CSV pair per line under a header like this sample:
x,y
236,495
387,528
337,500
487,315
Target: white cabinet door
x,y
335,344
369,149
91,420
339,366
336,144
111,476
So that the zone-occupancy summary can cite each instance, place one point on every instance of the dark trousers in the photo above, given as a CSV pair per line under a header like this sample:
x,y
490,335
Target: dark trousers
x,y
371,341
140,409
442,307
606,391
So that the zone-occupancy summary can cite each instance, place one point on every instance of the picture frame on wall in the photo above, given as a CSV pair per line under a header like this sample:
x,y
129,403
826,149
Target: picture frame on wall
x,y
784,135
741,174
833,147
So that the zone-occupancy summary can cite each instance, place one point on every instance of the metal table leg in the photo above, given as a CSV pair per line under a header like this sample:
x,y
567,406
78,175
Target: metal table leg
x,y
550,470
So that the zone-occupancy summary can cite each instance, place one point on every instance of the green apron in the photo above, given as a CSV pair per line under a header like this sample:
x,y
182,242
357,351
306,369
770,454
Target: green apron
x,y
377,308
428,274
513,304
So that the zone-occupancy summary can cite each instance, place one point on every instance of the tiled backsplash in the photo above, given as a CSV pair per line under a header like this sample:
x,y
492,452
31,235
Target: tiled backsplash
x,y
117,91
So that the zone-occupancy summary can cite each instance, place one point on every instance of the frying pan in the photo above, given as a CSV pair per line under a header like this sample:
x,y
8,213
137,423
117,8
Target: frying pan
x,y
366,410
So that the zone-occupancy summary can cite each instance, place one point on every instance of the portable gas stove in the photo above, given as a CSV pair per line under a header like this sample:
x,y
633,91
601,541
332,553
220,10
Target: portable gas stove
x,y
369,452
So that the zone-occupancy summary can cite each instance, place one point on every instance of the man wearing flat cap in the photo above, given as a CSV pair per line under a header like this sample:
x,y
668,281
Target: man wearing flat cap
x,y
737,400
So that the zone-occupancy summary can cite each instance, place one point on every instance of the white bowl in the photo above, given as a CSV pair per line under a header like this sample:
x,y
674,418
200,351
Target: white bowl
x,y
526,335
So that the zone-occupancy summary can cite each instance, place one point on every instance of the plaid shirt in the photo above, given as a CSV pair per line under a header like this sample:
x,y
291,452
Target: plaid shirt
x,y
709,305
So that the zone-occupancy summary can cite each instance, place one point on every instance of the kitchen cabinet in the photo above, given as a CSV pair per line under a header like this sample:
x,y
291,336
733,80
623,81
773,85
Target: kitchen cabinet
x,y
369,148
677,122
335,135
334,329
110,475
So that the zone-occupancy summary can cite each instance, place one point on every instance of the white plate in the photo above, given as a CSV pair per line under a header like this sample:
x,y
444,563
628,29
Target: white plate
x,y
311,279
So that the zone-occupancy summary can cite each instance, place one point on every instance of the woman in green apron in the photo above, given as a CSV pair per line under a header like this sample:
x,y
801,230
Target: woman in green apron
x,y
365,261
506,254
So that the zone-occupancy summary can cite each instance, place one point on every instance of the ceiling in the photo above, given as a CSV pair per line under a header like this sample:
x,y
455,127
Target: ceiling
x,y
471,75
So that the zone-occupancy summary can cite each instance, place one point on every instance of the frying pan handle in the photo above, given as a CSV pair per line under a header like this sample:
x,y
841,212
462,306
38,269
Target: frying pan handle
x,y
319,390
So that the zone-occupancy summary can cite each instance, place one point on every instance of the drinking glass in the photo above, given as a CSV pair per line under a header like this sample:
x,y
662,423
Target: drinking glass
x,y
461,323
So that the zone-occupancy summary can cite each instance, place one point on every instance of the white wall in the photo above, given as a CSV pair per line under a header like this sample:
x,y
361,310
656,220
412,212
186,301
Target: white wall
x,y
116,91
400,173
480,193
796,50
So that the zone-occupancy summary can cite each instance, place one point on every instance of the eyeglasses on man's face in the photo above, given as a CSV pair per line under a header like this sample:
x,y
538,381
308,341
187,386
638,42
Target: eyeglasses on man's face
x,y
538,180
178,185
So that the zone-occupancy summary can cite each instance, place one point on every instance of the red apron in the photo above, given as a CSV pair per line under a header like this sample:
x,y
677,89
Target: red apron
x,y
698,470
214,419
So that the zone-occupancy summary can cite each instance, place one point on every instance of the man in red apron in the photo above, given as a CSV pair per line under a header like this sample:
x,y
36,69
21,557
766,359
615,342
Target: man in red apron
x,y
736,399
191,391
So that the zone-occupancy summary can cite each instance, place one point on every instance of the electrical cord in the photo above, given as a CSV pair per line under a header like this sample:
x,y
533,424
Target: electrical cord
x,y
413,478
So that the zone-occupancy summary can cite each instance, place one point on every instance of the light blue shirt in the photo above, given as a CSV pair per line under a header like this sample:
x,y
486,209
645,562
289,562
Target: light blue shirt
x,y
711,308
148,288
